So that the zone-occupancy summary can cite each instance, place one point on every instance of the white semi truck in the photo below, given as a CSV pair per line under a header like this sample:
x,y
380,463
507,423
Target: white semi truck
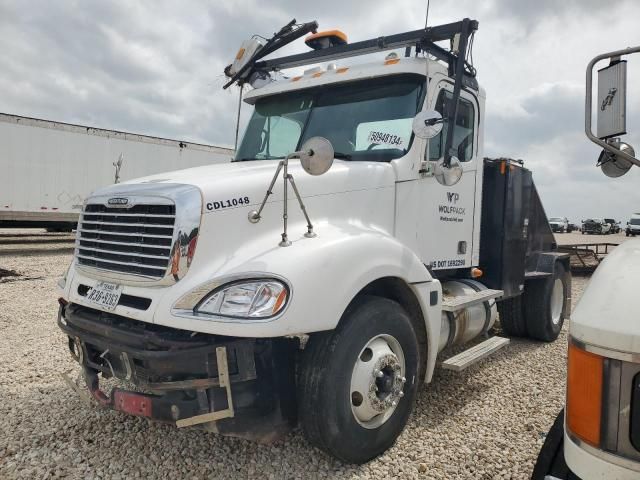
x,y
235,307
47,169
597,435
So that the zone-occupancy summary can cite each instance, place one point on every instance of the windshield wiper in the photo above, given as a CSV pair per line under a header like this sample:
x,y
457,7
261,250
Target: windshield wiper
x,y
342,156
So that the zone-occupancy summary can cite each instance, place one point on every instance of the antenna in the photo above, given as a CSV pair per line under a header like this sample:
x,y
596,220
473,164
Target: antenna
x,y
426,17
235,149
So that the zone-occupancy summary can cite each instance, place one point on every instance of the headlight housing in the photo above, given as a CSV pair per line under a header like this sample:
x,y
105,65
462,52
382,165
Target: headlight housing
x,y
251,299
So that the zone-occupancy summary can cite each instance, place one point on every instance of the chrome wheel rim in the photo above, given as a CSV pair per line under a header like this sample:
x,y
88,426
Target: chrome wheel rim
x,y
557,299
377,381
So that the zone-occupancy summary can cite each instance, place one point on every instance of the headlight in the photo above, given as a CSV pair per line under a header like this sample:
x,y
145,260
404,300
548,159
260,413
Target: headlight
x,y
246,299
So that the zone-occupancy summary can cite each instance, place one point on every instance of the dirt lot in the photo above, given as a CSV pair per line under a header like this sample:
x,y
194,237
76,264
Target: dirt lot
x,y
488,422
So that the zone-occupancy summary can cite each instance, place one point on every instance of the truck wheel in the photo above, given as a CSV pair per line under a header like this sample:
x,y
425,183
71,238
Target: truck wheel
x,y
545,303
357,384
511,317
551,462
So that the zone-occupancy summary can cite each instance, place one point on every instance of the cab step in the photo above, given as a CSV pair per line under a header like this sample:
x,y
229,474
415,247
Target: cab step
x,y
453,304
473,355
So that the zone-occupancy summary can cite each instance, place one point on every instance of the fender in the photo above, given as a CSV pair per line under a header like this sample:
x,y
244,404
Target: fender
x,y
324,273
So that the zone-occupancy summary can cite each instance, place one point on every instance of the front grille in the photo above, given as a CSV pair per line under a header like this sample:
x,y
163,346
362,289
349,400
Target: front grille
x,y
134,241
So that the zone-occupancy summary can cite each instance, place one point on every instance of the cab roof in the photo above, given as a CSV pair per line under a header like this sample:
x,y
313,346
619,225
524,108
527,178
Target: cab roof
x,y
342,74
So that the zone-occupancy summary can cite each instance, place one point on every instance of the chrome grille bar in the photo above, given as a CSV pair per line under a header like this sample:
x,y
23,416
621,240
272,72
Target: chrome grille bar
x,y
141,215
120,252
123,224
127,234
115,262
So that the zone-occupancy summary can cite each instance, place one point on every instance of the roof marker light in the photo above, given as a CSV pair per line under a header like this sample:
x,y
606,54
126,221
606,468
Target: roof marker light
x,y
328,39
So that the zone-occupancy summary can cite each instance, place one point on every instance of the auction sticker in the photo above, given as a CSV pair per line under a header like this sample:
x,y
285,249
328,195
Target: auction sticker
x,y
382,138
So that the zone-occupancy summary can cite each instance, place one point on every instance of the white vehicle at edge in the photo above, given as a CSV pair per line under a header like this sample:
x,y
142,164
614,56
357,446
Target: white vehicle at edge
x,y
633,225
559,224
237,309
597,435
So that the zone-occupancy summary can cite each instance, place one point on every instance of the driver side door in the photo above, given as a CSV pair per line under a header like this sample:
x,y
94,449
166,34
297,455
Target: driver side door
x,y
447,219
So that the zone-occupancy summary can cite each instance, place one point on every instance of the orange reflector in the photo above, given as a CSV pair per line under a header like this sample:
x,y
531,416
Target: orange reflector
x,y
391,61
584,394
317,74
279,301
295,79
342,70
503,167
476,272
240,54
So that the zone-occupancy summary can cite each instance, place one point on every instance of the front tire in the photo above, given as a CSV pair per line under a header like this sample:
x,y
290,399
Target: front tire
x,y
357,384
545,304
551,462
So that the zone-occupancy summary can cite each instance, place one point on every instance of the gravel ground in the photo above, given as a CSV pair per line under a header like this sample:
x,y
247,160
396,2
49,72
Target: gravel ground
x,y
487,422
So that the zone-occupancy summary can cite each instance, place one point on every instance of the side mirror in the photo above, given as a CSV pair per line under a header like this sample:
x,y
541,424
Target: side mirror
x,y
427,124
450,175
316,155
612,100
615,165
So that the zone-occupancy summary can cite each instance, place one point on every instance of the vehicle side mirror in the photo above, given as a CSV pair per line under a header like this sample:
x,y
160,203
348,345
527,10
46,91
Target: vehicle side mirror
x,y
427,124
615,165
316,155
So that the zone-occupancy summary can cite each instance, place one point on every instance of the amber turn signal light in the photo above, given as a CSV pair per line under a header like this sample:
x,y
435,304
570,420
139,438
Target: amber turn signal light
x,y
584,394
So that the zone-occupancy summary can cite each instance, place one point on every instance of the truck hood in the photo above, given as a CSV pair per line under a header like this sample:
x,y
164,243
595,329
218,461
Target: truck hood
x,y
223,185
607,313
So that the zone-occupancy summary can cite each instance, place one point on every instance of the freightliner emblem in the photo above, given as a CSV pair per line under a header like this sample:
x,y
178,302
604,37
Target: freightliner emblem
x,y
118,201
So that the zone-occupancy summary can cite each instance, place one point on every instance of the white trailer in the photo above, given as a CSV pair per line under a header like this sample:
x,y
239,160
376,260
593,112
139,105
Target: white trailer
x,y
48,168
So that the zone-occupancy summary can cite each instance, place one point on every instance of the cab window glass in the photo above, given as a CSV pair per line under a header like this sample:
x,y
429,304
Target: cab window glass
x,y
463,133
385,134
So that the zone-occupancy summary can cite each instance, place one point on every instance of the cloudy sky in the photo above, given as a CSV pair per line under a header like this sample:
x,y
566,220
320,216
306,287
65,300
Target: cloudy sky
x,y
155,67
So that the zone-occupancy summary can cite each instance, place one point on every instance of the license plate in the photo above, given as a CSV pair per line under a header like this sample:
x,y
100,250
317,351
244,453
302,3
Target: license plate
x,y
105,295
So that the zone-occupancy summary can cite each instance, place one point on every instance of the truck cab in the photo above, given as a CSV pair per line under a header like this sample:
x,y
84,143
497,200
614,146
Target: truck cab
x,y
235,310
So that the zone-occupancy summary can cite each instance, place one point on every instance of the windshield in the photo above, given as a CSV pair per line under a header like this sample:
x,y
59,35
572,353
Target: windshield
x,y
635,221
364,120
556,219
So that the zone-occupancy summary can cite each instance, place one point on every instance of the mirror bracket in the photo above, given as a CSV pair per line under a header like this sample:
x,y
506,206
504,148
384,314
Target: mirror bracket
x,y
316,146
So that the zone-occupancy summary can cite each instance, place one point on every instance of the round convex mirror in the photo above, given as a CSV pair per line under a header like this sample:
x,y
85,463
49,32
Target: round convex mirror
x,y
614,165
316,155
448,175
427,124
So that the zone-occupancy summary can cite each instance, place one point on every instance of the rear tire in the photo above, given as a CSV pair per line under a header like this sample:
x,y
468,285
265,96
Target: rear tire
x,y
338,366
545,302
511,317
